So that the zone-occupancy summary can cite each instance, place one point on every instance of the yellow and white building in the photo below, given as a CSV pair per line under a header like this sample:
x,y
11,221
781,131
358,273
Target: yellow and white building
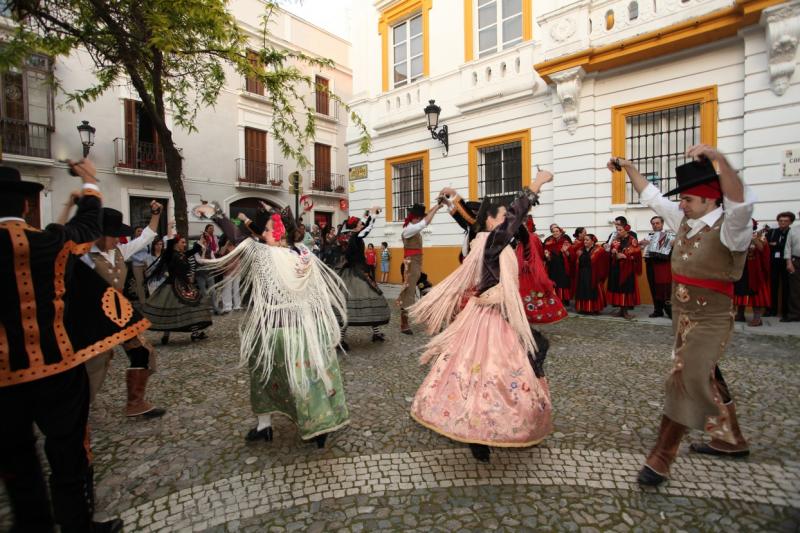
x,y
562,85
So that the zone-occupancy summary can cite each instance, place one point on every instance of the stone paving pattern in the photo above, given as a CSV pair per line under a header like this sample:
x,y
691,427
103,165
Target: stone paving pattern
x,y
191,470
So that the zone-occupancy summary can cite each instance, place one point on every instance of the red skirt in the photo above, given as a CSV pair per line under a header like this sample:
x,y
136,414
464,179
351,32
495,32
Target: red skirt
x,y
592,306
624,299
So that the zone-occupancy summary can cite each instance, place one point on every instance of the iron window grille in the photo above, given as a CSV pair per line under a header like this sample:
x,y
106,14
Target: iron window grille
x,y
407,187
407,51
500,172
657,141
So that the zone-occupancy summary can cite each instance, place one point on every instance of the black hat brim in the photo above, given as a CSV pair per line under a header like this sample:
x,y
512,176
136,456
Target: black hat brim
x,y
123,230
691,183
20,187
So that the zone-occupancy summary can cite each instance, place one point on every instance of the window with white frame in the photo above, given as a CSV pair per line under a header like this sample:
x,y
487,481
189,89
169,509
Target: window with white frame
x,y
499,25
500,172
407,51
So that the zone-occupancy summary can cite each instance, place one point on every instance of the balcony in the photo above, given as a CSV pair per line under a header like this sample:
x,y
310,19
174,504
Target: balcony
x,y
20,137
259,174
138,158
326,108
325,181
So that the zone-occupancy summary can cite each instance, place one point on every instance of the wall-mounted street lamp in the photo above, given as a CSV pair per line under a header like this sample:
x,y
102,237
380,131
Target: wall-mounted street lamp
x,y
87,136
432,114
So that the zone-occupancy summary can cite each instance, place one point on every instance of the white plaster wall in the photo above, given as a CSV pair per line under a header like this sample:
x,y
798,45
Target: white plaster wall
x,y
209,154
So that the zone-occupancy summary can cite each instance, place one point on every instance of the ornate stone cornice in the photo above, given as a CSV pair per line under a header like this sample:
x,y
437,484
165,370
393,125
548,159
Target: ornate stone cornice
x,y
568,87
782,26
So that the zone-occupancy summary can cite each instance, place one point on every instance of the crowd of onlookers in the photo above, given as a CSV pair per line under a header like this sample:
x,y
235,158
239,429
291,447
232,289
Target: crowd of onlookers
x,y
609,272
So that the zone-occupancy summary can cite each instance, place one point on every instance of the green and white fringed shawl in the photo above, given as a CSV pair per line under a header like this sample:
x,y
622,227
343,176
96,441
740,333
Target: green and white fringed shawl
x,y
295,292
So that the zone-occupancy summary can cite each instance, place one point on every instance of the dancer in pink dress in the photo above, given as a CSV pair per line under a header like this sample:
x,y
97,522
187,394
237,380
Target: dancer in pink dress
x,y
482,388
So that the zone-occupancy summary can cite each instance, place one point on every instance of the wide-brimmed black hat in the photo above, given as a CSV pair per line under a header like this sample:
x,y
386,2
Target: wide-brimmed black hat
x,y
113,226
416,210
259,223
692,174
11,182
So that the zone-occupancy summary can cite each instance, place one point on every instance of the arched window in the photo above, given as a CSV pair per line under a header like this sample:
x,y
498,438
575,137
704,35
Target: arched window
x,y
633,11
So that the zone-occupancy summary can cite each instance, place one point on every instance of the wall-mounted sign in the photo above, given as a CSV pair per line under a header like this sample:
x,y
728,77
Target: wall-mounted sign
x,y
358,173
791,163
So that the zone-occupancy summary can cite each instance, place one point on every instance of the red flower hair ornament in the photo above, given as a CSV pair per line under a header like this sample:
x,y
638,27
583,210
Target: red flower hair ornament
x,y
278,229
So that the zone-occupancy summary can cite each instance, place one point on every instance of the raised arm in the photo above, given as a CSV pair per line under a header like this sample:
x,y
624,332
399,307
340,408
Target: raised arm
x,y
85,226
649,194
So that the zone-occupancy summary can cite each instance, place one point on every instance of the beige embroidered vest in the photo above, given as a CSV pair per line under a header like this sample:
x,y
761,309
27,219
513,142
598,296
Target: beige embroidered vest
x,y
704,256
413,243
113,274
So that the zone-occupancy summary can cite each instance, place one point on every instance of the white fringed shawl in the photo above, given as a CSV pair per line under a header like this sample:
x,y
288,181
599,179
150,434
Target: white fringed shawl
x,y
437,308
292,293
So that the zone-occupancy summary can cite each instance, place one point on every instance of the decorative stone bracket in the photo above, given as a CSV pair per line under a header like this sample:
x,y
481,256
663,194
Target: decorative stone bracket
x,y
782,25
568,87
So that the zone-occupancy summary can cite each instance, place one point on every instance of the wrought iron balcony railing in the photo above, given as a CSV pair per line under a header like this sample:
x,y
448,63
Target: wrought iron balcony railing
x,y
251,172
326,181
21,137
139,155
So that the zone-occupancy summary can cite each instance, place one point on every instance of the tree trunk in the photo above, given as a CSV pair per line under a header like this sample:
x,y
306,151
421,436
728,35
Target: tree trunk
x,y
174,162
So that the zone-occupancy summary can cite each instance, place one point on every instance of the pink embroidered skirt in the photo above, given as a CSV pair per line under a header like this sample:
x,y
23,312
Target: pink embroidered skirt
x,y
481,388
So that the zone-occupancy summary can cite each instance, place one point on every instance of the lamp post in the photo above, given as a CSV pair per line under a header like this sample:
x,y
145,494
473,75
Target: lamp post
x,y
87,136
432,112
294,180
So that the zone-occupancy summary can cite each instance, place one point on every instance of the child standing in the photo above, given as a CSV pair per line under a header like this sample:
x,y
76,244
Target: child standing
x,y
386,256
371,261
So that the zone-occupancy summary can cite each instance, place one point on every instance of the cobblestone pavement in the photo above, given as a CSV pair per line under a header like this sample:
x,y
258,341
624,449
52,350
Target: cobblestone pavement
x,y
191,469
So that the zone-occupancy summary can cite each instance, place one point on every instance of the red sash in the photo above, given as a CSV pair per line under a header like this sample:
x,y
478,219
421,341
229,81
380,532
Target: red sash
x,y
408,252
723,287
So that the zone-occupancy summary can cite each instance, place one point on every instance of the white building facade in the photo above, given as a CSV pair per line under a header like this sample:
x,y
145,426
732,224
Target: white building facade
x,y
563,85
233,159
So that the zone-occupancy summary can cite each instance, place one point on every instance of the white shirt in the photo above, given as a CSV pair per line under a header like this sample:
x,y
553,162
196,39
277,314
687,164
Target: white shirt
x,y
792,246
736,231
128,249
412,229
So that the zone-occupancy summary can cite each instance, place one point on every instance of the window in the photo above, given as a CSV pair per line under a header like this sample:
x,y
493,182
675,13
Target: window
x,y
500,167
140,148
407,183
252,83
255,156
323,98
322,168
407,51
495,25
26,108
139,209
403,28
499,25
655,135
500,172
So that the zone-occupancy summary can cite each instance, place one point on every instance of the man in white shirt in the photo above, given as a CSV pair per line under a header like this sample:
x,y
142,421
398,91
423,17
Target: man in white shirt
x,y
107,257
792,254
708,255
416,221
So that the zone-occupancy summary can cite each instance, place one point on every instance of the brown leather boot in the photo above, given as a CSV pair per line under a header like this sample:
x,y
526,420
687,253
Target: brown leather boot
x,y
404,327
137,385
656,468
720,447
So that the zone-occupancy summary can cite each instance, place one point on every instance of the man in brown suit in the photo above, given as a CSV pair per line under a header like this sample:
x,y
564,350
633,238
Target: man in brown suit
x,y
709,252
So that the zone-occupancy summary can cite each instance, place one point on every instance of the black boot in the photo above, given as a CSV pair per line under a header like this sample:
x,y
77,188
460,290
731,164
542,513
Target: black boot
x,y
165,338
320,440
110,526
256,434
481,452
27,492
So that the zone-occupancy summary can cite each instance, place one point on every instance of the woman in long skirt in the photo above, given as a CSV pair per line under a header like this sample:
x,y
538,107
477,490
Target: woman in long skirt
x,y
366,305
591,271
482,388
290,330
177,304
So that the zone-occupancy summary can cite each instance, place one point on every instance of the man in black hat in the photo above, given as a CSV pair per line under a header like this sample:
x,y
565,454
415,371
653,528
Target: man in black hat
x,y
57,315
416,221
108,258
708,256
